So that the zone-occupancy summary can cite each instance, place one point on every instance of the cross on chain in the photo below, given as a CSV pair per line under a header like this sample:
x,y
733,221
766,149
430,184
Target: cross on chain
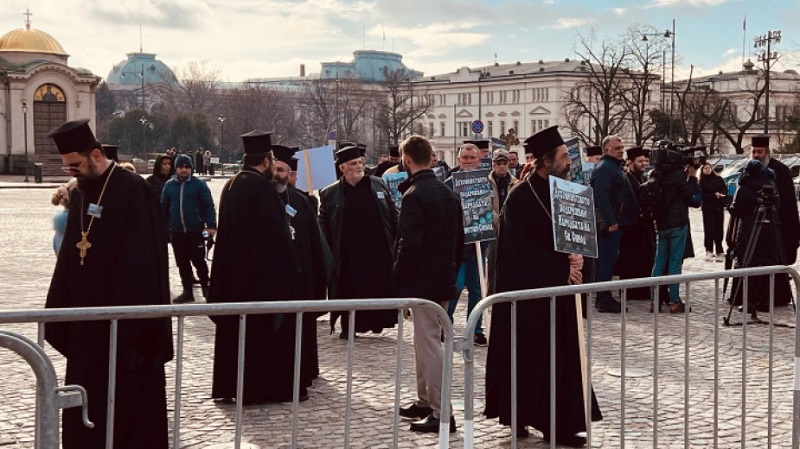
x,y
83,245
291,230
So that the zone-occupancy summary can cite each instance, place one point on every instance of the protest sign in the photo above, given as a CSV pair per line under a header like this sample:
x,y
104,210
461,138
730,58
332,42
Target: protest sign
x,y
574,153
572,208
392,181
315,168
476,195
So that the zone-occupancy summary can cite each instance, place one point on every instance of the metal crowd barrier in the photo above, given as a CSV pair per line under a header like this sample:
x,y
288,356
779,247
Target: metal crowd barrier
x,y
466,345
50,397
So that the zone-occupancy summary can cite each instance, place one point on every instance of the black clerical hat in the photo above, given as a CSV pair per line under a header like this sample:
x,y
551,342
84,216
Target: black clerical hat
x,y
362,148
74,136
394,150
544,141
347,154
345,143
481,144
634,152
293,164
594,150
283,153
761,141
111,152
256,141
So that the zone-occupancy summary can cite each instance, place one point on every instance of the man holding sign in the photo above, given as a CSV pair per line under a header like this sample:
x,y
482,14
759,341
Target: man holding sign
x,y
526,234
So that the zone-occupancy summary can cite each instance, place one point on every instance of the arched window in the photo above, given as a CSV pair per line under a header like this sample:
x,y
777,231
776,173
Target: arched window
x,y
49,111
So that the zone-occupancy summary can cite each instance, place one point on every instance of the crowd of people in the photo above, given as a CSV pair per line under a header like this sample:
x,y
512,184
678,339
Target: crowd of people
x,y
277,242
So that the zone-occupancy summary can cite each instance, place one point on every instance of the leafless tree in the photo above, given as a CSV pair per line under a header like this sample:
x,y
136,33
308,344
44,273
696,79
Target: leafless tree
x,y
345,99
196,89
600,100
402,107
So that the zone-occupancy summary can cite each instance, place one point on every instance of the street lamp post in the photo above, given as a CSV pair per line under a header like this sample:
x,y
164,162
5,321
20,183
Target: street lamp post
x,y
25,130
767,57
146,124
668,34
221,120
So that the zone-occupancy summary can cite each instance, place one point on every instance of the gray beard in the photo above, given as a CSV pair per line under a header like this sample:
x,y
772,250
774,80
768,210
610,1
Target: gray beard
x,y
280,186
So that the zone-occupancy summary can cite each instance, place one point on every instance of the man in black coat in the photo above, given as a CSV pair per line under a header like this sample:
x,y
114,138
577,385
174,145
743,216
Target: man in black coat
x,y
430,239
114,254
253,261
359,221
526,234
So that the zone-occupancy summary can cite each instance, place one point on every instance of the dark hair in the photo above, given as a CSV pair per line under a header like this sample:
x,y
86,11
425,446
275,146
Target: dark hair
x,y
550,156
253,159
711,175
418,149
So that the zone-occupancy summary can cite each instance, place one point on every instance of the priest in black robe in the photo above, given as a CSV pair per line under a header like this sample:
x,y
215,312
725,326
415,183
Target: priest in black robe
x,y
253,261
310,250
359,221
113,254
638,245
526,234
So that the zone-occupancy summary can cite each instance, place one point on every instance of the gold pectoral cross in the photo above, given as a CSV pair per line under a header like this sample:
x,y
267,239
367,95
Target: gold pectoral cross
x,y
83,245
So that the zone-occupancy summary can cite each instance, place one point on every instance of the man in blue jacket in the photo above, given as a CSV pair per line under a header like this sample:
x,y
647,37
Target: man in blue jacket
x,y
189,209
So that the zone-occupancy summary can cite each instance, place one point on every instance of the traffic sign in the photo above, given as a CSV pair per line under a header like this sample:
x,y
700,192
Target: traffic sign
x,y
477,126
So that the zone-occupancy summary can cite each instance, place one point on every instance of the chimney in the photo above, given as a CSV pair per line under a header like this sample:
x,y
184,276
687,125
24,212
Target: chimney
x,y
302,70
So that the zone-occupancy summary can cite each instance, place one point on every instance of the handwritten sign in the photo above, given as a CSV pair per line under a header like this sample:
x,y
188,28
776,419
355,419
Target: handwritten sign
x,y
393,180
476,195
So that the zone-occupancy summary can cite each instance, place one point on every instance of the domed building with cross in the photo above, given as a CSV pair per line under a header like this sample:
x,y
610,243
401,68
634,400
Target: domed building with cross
x,y
39,91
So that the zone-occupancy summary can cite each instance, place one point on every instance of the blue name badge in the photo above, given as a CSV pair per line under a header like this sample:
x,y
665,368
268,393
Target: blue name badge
x,y
381,195
95,210
290,211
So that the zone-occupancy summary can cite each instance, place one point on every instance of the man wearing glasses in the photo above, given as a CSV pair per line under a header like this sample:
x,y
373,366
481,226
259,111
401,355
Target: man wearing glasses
x,y
113,254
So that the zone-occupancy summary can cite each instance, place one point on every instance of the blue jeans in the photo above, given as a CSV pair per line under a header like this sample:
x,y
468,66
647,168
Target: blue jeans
x,y
670,247
467,276
607,253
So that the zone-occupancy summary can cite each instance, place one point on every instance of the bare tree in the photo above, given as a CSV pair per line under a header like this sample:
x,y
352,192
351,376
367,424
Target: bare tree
x,y
601,99
737,117
195,90
402,106
342,100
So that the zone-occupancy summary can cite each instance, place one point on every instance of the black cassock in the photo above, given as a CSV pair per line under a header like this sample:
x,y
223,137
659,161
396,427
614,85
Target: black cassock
x,y
312,255
526,234
638,246
253,261
126,265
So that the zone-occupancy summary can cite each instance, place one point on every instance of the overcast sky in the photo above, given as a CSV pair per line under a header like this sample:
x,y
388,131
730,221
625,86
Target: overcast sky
x,y
271,38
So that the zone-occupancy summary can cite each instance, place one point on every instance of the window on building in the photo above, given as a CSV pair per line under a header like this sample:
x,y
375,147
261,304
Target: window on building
x,y
442,99
490,128
516,126
469,98
502,127
431,129
442,130
464,129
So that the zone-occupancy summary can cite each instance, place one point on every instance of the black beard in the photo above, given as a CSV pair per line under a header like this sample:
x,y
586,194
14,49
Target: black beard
x,y
268,174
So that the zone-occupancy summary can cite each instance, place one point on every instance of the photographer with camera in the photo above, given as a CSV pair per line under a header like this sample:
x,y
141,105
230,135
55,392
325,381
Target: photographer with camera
x,y
674,173
781,241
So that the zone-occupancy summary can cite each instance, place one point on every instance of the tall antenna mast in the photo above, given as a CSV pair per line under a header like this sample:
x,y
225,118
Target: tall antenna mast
x,y
140,37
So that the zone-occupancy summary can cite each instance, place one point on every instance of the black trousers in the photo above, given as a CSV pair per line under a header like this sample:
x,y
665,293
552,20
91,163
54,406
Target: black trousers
x,y
189,249
713,220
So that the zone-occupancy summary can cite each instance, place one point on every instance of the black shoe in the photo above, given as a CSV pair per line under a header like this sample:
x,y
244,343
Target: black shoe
x,y
415,411
184,298
224,400
522,432
431,424
480,340
607,306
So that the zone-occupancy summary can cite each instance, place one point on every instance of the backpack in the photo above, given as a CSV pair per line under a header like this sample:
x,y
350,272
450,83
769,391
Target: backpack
x,y
651,204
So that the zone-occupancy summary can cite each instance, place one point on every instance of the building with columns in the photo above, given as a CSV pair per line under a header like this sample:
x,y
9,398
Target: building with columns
x,y
40,91
524,96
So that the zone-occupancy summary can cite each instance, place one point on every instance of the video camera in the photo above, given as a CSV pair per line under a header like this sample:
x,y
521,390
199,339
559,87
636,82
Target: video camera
x,y
668,152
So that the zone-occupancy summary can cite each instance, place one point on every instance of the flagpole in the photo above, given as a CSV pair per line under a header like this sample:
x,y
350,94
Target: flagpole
x,y
744,38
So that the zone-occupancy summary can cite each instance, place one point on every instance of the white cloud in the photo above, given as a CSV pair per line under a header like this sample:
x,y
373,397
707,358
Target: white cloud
x,y
696,3
619,11
731,51
572,22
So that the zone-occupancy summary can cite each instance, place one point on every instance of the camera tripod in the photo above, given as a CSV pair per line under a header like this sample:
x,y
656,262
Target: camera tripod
x,y
766,215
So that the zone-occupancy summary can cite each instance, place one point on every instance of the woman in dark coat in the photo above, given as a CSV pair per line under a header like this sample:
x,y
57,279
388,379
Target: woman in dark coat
x,y
714,193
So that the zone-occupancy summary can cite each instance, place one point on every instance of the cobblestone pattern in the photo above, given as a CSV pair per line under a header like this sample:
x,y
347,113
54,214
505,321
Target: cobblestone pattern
x,y
27,266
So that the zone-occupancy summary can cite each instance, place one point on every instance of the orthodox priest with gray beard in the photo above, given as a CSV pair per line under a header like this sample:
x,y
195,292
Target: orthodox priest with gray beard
x,y
359,221
254,261
311,252
526,234
113,254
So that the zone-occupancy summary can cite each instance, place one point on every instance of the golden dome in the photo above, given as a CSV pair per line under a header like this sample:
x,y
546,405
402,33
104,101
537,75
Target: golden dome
x,y
31,41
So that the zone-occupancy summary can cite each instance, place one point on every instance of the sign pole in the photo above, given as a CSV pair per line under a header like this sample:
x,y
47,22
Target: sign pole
x,y
481,274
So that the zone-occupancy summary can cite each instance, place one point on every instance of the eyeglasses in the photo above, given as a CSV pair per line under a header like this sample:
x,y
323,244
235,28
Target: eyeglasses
x,y
73,168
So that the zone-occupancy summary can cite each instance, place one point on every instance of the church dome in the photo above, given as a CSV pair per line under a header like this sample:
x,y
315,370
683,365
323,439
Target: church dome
x,y
129,72
30,41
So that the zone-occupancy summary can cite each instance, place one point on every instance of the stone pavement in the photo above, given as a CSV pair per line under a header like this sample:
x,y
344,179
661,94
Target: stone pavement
x,y
28,260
